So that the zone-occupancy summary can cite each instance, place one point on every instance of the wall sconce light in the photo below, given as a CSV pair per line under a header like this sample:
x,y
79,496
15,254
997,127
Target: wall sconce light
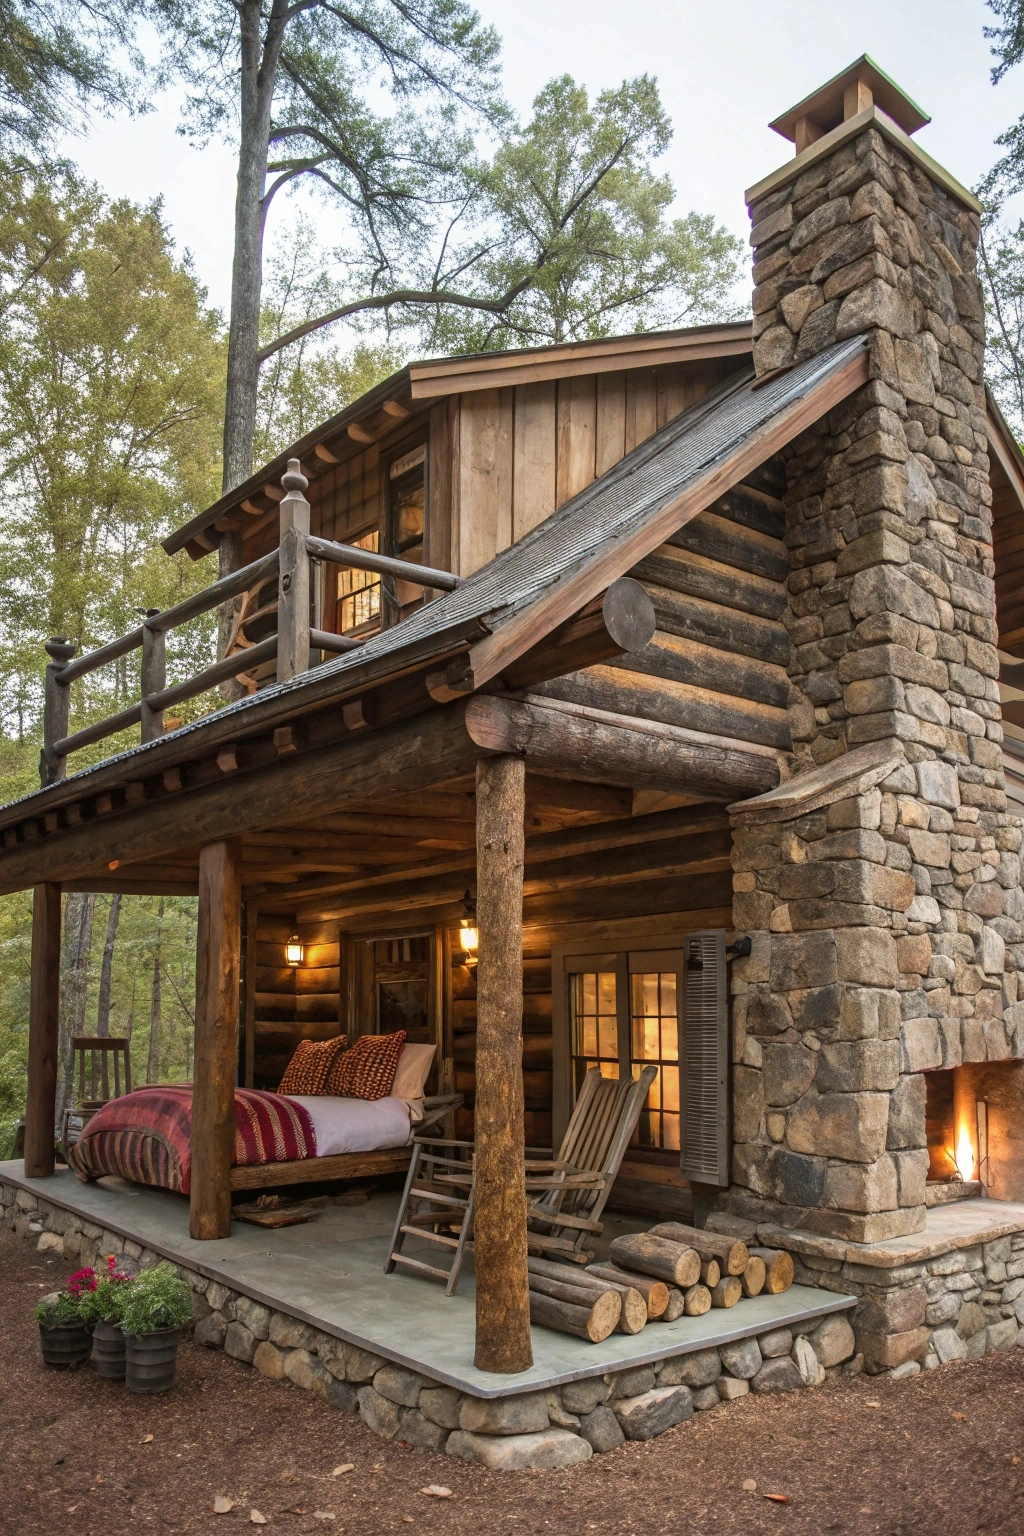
x,y
294,951
469,935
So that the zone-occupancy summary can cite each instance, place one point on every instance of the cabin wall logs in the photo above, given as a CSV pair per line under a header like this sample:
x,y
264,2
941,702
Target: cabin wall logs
x,y
292,1003
717,662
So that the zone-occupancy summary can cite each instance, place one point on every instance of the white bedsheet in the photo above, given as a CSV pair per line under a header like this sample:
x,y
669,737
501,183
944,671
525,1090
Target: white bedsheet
x,y
356,1125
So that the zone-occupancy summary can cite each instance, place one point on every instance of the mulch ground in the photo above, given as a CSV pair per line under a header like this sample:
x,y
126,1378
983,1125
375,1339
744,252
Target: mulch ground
x,y
941,1455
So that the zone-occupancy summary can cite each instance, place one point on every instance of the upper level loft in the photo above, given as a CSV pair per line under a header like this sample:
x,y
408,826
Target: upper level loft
x,y
424,481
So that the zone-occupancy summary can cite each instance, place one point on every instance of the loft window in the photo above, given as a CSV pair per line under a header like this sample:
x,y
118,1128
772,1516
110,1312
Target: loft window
x,y
404,533
359,592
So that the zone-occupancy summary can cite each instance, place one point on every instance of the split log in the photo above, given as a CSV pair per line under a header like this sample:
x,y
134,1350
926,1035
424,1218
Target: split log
x,y
778,1267
593,1318
676,1305
697,1301
710,1273
727,1292
731,1254
651,1254
753,1276
634,1306
654,1292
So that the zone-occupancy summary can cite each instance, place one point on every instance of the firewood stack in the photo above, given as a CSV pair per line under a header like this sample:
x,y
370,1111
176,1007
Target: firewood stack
x,y
669,1272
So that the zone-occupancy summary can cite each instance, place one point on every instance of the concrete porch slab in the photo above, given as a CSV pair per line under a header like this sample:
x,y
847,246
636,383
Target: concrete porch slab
x,y
330,1274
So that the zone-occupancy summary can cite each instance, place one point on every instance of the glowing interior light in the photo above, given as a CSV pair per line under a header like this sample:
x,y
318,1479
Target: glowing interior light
x,y
964,1155
470,940
293,951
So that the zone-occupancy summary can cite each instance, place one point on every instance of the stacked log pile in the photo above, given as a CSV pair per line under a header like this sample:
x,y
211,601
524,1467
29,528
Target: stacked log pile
x,y
672,1271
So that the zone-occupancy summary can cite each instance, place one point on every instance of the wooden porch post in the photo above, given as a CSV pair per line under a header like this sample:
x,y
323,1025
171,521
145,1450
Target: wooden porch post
x,y
502,1288
216,1051
43,1032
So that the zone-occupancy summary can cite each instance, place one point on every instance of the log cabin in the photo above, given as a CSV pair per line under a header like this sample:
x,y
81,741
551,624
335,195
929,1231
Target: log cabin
x,y
712,622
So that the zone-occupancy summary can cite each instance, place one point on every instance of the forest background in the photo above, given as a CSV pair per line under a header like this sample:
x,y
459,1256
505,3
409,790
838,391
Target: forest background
x,y
505,231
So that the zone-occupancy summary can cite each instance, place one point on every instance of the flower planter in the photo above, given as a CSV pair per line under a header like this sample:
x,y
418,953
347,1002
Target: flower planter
x,y
151,1360
67,1345
108,1350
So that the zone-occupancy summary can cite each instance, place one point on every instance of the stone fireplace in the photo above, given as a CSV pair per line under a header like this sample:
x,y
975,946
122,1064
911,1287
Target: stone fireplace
x,y
881,887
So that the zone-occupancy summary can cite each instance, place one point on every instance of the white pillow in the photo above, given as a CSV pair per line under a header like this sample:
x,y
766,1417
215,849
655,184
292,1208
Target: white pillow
x,y
414,1063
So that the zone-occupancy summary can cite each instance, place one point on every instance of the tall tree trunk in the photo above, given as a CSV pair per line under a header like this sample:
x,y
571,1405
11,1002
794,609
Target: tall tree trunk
x,y
76,955
155,1016
103,1007
259,58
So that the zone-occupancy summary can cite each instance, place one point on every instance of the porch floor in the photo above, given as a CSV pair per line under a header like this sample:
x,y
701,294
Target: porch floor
x,y
330,1273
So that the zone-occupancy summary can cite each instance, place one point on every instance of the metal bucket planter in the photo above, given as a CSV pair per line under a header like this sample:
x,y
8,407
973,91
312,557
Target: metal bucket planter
x,y
151,1360
108,1350
66,1345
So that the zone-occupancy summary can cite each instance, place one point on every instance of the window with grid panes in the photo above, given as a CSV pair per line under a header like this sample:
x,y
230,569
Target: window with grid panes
x,y
664,1007
359,591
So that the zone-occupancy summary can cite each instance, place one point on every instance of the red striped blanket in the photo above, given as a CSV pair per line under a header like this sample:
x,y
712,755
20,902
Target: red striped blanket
x,y
146,1136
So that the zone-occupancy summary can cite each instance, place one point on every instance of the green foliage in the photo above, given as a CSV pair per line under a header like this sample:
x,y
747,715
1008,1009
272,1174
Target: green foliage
x,y
109,1297
581,230
1002,269
61,1310
303,385
157,1299
111,375
70,1305
56,62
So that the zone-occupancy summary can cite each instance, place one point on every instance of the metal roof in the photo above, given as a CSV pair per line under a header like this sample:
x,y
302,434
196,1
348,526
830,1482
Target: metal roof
x,y
591,523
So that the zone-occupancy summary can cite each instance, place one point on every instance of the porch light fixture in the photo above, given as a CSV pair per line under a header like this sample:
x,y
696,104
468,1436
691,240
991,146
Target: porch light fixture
x,y
469,935
294,951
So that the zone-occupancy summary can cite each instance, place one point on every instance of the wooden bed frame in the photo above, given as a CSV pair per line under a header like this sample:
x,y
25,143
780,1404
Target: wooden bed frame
x,y
344,1165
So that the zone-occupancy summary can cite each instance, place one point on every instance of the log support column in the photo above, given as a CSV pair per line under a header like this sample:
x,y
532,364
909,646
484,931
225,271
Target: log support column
x,y
216,1048
43,1032
502,1287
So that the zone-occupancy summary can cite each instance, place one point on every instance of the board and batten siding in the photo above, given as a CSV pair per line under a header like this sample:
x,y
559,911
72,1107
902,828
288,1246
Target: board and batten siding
x,y
520,452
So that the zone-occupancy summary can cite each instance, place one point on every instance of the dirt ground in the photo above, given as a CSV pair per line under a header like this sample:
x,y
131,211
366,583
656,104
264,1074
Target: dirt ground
x,y
941,1455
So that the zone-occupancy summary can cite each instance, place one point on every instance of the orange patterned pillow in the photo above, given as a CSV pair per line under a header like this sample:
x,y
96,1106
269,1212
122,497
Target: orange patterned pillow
x,y
310,1066
367,1071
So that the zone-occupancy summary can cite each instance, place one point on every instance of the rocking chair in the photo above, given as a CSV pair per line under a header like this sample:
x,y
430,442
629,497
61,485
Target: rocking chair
x,y
104,1052
565,1196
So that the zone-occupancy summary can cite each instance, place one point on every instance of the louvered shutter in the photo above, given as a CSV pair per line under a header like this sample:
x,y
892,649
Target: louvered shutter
x,y
704,1060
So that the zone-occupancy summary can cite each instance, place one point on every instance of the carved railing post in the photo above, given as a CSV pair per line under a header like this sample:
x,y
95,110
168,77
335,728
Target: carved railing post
x,y
56,709
293,581
154,676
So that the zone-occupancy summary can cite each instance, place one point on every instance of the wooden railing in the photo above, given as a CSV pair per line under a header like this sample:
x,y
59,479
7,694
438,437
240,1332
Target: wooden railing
x,y
296,637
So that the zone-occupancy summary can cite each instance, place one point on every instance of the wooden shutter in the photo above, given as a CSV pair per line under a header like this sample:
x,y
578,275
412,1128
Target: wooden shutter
x,y
704,1061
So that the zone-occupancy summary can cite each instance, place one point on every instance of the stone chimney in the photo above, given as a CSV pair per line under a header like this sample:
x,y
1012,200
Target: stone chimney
x,y
881,918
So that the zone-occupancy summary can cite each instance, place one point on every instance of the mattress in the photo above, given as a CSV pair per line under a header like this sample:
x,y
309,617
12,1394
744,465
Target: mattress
x,y
356,1125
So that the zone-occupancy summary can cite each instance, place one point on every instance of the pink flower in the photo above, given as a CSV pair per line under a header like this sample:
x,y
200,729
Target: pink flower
x,y
82,1280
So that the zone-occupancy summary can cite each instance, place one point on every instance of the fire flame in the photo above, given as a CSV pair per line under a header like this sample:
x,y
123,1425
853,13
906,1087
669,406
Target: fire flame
x,y
965,1155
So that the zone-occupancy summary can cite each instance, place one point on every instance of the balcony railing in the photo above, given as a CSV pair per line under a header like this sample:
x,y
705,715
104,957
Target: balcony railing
x,y
296,637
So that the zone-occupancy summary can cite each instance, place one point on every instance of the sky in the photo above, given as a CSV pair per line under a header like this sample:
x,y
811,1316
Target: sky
x,y
725,69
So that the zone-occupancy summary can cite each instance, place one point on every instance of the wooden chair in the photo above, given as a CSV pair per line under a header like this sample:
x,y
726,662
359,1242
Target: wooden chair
x,y
98,1057
565,1196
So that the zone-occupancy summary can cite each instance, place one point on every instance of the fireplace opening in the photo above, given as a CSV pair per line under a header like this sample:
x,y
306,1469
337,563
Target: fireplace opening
x,y
957,1140
975,1134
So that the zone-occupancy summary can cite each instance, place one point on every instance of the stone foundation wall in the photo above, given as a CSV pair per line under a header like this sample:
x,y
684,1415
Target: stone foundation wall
x,y
547,1429
891,921
957,1305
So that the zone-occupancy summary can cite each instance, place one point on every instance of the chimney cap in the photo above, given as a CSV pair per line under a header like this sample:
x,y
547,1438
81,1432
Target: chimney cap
x,y
854,89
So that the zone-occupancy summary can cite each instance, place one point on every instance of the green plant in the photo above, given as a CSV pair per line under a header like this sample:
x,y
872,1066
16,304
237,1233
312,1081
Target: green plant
x,y
107,1299
66,1308
157,1299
